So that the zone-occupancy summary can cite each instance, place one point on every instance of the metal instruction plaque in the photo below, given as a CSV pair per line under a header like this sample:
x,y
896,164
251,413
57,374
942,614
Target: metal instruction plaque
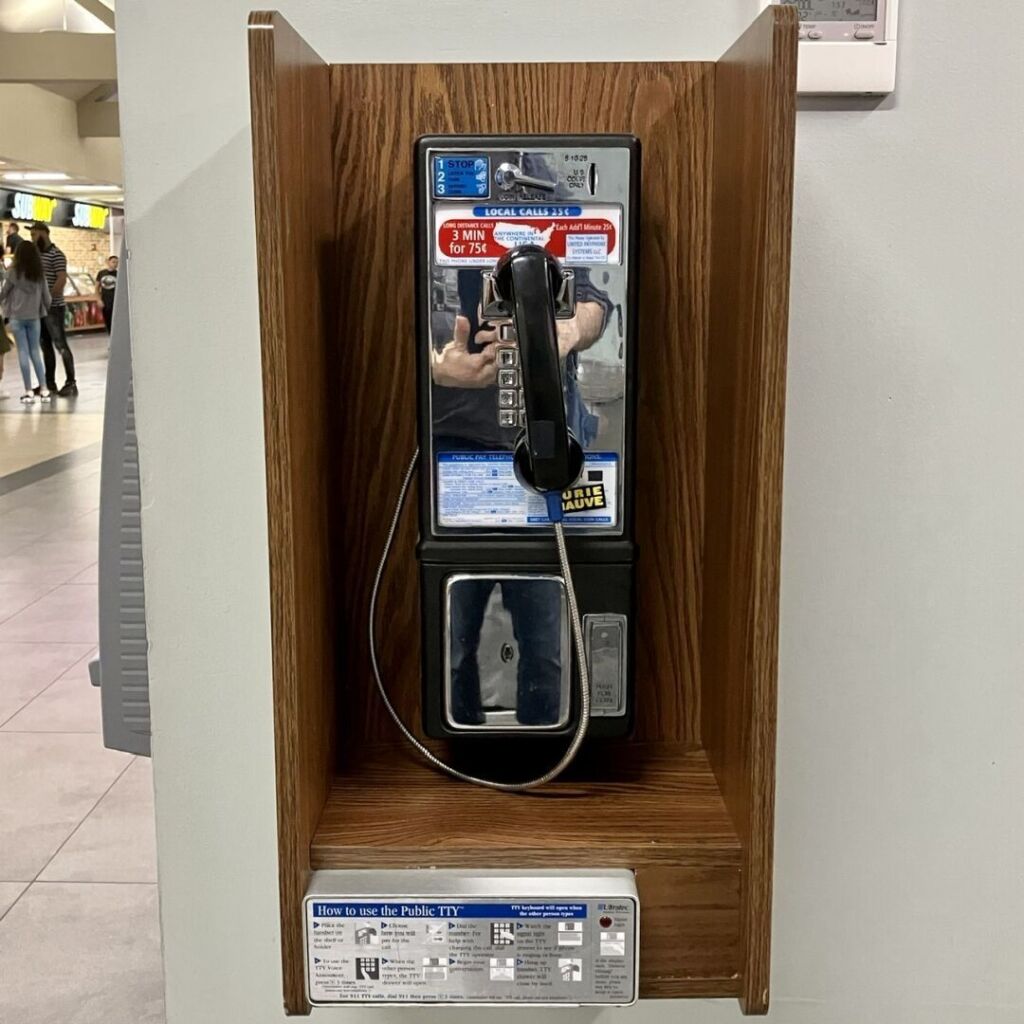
x,y
421,936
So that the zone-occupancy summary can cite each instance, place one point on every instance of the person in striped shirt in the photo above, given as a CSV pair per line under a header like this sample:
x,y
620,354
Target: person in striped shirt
x,y
54,336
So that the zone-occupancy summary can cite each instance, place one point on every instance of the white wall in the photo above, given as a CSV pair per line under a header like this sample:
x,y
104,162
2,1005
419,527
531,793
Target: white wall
x,y
900,826
40,129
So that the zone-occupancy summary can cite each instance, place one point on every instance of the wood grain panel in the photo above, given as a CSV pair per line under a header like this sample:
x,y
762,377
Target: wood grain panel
x,y
689,931
755,93
660,814
293,185
659,806
337,310
381,110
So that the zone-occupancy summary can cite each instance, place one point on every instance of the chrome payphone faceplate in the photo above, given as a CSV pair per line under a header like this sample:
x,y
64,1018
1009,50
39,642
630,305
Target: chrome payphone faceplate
x,y
497,651
479,202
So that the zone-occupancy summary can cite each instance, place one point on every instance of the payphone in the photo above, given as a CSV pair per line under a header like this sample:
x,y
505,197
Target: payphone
x,y
526,268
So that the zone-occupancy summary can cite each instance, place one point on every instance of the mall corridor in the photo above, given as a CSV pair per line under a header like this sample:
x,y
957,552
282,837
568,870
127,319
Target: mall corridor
x,y
79,934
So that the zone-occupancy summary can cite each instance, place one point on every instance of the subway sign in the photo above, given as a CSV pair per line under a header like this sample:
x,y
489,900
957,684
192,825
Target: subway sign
x,y
29,207
88,216
58,212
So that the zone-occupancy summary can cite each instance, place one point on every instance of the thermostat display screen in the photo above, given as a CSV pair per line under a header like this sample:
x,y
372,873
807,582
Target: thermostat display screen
x,y
835,10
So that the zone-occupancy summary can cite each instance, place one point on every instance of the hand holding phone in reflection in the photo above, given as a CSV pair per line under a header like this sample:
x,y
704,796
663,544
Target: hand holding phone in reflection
x,y
456,367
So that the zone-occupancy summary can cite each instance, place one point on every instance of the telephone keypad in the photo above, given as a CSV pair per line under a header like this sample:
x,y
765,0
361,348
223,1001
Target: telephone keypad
x,y
510,394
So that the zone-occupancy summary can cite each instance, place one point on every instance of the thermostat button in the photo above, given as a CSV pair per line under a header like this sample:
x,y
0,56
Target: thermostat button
x,y
814,33
864,33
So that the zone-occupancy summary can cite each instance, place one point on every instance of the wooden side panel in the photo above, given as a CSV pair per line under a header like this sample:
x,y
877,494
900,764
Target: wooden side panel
x,y
689,931
379,110
755,92
294,192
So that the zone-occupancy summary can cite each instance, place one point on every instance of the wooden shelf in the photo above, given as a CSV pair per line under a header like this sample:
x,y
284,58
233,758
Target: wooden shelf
x,y
645,805
655,808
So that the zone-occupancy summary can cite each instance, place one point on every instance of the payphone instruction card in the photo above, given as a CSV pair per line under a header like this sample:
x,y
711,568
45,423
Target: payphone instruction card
x,y
471,951
476,236
481,489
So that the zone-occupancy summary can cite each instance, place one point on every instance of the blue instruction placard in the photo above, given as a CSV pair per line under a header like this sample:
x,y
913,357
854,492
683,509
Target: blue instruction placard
x,y
462,177
402,909
481,489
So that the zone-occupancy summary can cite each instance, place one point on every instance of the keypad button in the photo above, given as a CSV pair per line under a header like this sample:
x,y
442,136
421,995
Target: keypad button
x,y
508,418
507,398
508,357
508,378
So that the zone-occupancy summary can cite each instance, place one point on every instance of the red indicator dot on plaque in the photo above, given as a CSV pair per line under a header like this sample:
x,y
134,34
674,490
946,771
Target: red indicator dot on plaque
x,y
606,922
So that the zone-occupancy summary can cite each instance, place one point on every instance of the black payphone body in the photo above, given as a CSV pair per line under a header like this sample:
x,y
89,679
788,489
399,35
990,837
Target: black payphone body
x,y
526,235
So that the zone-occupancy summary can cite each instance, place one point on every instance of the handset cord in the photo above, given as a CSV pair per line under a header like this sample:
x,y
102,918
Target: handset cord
x,y
581,657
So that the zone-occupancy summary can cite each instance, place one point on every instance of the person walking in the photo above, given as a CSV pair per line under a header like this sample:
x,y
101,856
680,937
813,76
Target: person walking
x,y
6,340
54,336
107,280
6,344
12,239
25,301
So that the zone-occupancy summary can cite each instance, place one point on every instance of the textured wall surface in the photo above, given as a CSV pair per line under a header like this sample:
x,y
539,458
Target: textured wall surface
x,y
900,828
87,250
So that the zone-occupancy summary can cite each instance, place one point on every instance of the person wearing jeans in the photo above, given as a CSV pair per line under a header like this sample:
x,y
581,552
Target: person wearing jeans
x,y
54,336
30,356
25,300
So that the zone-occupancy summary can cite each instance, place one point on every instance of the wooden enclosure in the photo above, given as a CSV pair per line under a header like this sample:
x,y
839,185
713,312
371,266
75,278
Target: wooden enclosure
x,y
687,802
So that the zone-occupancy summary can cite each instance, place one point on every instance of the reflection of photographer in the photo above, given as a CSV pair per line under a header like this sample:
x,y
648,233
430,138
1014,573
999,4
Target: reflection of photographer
x,y
464,368
534,609
456,366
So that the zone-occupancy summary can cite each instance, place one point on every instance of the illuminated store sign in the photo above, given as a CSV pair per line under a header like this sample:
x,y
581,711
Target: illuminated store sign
x,y
60,213
29,207
87,216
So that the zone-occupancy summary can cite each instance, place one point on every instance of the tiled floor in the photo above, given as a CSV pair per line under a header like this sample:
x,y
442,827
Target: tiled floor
x,y
30,434
79,935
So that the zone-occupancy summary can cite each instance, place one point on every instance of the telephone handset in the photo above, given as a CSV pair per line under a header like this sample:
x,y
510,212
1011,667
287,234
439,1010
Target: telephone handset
x,y
524,283
532,238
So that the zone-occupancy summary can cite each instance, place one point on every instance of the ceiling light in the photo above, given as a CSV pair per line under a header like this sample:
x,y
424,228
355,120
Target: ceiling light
x,y
90,188
36,176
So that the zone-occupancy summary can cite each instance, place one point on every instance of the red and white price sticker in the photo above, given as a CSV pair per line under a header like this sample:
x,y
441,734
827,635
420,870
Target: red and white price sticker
x,y
476,236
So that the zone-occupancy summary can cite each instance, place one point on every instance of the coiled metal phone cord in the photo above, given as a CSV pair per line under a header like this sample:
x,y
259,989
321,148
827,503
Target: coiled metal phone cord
x,y
581,658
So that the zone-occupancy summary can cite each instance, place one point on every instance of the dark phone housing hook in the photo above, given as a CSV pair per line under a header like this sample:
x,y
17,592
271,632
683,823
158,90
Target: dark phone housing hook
x,y
547,456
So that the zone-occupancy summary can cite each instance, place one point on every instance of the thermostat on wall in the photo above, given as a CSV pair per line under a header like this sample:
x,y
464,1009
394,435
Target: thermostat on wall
x,y
846,46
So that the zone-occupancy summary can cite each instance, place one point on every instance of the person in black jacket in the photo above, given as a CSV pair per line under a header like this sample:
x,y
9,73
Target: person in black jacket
x,y
12,239
107,281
